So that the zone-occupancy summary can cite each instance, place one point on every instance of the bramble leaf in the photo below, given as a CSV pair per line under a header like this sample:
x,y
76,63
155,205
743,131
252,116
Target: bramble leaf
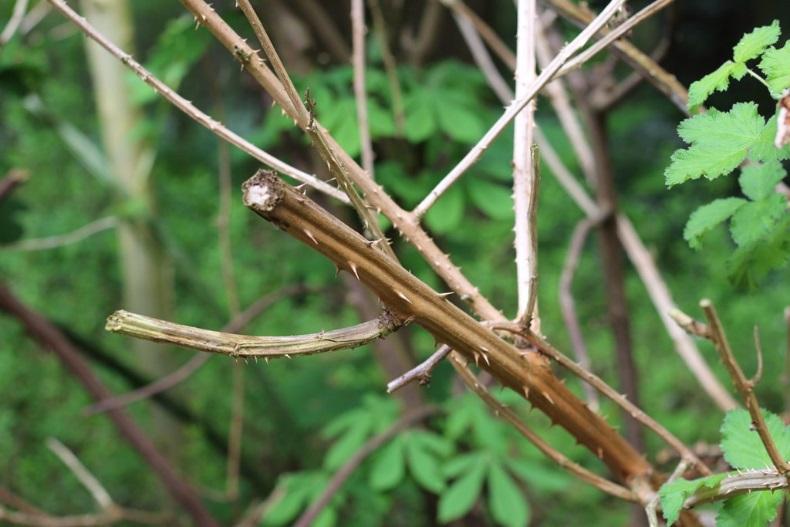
x,y
719,141
708,216
776,67
424,467
741,444
719,80
758,180
756,219
674,494
748,265
764,148
447,212
494,200
388,466
507,503
460,497
756,509
753,44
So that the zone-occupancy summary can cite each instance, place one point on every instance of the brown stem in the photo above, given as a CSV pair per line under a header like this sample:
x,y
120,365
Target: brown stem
x,y
40,329
11,181
421,372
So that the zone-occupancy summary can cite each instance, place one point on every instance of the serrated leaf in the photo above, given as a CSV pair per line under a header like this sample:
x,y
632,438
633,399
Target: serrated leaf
x,y
718,80
463,463
494,200
420,117
460,497
295,497
507,502
388,466
675,493
432,442
458,120
424,467
742,446
708,216
538,476
755,509
748,265
756,219
753,44
447,212
775,64
349,443
758,180
719,143
765,149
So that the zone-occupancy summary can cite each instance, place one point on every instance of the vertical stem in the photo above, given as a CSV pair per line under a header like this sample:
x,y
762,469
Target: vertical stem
x,y
358,63
524,176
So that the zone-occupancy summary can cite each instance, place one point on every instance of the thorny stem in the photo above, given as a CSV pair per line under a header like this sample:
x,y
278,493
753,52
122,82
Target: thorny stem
x,y
148,328
517,105
651,507
743,385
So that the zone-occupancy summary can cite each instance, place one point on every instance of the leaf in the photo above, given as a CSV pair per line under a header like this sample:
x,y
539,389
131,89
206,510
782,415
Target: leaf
x,y
719,141
423,467
756,219
758,180
463,463
458,120
750,264
508,506
756,509
719,80
708,216
327,518
460,497
674,494
753,44
742,446
295,496
447,212
432,442
420,118
494,200
539,476
765,149
388,466
349,443
776,67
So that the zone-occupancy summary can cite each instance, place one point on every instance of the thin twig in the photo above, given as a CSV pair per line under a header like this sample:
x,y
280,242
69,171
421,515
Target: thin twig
x,y
500,410
242,346
758,348
651,507
463,12
17,15
568,305
360,97
743,385
390,67
421,372
690,325
192,111
348,468
88,480
62,240
517,105
525,176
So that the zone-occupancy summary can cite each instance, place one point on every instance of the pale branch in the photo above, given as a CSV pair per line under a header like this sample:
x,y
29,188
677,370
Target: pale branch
x,y
528,374
88,480
650,508
62,240
242,346
408,420
360,97
568,305
517,105
662,300
664,81
17,15
744,386
525,168
691,325
739,483
463,12
421,372
502,411
192,111
315,14
390,67
615,34
599,384
185,371
482,58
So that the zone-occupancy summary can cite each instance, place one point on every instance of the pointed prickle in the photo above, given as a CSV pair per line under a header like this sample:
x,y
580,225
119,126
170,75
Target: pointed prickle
x,y
600,453
287,356
310,235
404,297
477,358
526,391
445,295
266,359
549,399
353,267
485,358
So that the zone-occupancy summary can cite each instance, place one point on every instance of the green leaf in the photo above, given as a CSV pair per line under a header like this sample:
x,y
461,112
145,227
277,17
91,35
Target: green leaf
x,y
420,117
460,497
424,467
458,120
538,475
674,494
447,212
764,149
756,509
758,180
708,216
756,219
751,263
719,80
432,442
463,463
719,141
753,44
349,443
327,518
741,444
295,497
493,199
508,506
388,466
776,67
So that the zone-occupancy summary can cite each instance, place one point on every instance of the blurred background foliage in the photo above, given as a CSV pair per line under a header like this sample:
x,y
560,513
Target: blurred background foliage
x,y
305,417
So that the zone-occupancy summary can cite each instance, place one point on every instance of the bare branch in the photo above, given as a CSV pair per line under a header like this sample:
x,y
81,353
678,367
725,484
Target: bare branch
x,y
461,11
358,63
519,104
88,480
690,325
758,348
61,240
739,483
148,328
17,15
348,468
193,112
380,28
421,372
744,387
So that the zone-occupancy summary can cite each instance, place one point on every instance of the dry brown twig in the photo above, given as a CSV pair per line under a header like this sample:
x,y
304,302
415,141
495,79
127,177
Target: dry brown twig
x,y
421,372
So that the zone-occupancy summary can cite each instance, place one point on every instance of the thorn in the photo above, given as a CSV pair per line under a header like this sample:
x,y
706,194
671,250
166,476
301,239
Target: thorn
x,y
404,297
267,360
548,398
310,235
600,453
287,356
445,295
526,391
353,267
485,358
477,358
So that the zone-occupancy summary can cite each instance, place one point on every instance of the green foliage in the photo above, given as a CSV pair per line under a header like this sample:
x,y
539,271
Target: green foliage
x,y
743,450
721,142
